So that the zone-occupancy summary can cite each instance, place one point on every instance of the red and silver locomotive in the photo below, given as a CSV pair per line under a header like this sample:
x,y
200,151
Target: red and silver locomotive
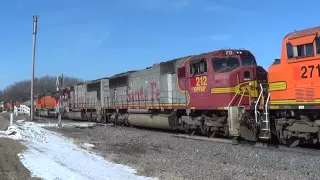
x,y
201,93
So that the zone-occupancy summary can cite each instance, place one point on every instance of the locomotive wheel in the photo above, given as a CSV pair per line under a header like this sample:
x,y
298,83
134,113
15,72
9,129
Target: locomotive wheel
x,y
208,131
211,134
85,117
192,132
188,130
90,118
292,142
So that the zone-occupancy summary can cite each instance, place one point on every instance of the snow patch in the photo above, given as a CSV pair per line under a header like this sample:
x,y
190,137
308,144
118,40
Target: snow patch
x,y
20,121
67,124
52,156
87,145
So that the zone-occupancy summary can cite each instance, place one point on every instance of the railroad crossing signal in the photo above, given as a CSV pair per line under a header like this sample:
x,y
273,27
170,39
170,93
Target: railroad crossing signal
x,y
59,82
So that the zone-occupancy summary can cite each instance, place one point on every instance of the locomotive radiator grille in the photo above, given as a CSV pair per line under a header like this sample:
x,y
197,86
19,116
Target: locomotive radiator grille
x,y
304,94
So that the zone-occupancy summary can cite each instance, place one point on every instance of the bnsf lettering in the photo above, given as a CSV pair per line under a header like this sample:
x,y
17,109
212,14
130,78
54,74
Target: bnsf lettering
x,y
199,89
254,88
247,89
308,71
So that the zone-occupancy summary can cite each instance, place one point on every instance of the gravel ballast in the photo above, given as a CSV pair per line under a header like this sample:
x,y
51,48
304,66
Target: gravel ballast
x,y
156,154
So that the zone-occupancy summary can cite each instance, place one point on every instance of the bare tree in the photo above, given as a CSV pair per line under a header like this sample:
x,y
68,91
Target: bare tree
x,y
21,89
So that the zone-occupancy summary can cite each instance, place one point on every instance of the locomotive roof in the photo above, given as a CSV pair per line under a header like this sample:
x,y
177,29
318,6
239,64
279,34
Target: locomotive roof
x,y
121,74
96,80
301,33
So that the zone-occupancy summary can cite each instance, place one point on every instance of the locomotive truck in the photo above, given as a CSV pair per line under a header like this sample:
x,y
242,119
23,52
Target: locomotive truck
x,y
220,93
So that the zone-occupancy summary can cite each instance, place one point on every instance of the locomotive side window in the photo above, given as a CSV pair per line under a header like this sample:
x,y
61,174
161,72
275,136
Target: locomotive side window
x,y
221,65
318,45
289,50
198,67
247,61
300,50
115,94
246,74
181,72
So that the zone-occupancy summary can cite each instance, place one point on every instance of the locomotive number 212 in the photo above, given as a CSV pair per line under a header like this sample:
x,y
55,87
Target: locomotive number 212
x,y
307,71
201,81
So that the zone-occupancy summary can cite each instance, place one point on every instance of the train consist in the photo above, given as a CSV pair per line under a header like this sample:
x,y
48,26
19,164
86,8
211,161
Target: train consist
x,y
220,93
9,106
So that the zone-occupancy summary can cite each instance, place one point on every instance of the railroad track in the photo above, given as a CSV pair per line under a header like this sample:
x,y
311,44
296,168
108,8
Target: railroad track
x,y
303,150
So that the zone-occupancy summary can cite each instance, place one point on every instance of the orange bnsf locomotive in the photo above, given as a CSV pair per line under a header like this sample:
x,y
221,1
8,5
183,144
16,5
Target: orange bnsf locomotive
x,y
294,89
221,93
46,104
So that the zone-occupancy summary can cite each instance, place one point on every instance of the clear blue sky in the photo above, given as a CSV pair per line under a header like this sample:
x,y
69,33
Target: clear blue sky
x,y
97,38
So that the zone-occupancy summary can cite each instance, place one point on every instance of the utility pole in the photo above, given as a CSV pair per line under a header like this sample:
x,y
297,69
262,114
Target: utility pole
x,y
60,106
35,22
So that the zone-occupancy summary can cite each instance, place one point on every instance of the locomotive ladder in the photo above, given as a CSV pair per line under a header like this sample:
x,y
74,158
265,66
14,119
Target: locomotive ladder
x,y
265,132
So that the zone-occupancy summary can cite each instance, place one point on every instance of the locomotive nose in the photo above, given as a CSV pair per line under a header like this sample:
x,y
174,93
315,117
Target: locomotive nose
x,y
249,78
252,73
247,73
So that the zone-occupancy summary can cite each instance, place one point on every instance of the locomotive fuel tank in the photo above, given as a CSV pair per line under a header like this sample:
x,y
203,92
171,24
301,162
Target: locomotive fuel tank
x,y
161,121
143,118
75,115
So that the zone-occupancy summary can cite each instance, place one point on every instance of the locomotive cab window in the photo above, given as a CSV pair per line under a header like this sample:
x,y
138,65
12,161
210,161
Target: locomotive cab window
x,y
318,45
181,72
248,61
304,50
246,75
198,67
222,65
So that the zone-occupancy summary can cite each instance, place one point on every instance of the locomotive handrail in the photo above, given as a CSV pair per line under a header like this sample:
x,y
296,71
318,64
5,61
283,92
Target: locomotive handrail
x,y
236,95
267,110
243,95
257,102
233,98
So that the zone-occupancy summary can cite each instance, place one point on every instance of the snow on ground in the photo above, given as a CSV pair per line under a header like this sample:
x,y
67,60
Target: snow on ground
x,y
51,156
64,123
